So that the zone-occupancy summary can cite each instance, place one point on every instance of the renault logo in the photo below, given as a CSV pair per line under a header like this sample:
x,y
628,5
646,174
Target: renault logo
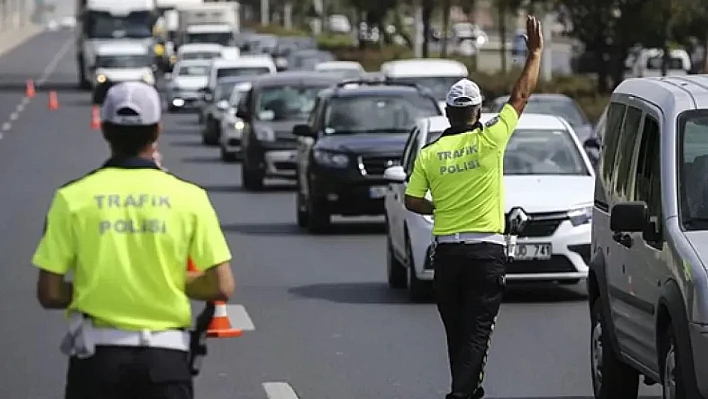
x,y
390,163
517,219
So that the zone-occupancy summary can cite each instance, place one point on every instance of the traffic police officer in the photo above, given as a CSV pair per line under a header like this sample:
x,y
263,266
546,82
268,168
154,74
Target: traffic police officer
x,y
463,170
125,232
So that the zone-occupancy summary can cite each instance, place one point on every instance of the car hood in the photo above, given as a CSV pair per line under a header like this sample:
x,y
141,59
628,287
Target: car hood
x,y
190,82
283,129
540,194
364,143
124,74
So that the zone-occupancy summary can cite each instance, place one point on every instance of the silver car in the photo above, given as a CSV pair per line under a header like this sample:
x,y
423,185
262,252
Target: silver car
x,y
186,84
648,281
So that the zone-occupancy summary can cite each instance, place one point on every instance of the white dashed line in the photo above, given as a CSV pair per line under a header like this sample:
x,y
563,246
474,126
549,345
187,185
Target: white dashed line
x,y
1,136
25,101
279,390
6,126
14,116
54,62
20,107
239,317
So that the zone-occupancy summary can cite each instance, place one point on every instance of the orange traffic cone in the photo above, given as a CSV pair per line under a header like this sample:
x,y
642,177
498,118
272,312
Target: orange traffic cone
x,y
29,90
191,267
220,326
95,118
53,101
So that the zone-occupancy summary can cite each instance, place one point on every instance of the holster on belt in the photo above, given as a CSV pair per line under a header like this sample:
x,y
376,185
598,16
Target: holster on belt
x,y
78,341
198,339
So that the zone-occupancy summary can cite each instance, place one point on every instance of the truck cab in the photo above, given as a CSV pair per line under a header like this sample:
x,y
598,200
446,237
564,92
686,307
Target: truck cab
x,y
102,21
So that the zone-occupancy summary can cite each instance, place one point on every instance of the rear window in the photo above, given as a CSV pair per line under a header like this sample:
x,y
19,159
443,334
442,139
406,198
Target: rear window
x,y
241,71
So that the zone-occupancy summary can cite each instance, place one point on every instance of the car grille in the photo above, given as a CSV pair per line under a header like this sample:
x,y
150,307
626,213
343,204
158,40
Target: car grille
x,y
376,164
542,224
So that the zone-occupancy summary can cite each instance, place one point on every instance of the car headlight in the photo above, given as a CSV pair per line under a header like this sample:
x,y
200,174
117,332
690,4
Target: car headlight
x,y
239,125
331,159
148,78
264,134
581,215
101,78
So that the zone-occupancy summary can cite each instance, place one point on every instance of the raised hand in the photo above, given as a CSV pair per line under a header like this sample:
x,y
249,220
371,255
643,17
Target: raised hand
x,y
534,35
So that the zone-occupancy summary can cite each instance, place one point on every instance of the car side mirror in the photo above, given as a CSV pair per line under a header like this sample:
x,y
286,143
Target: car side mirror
x,y
629,217
395,174
592,143
303,131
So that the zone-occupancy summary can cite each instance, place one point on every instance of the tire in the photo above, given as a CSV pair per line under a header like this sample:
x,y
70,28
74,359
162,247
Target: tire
x,y
418,290
228,157
395,270
251,180
673,386
318,219
302,215
611,378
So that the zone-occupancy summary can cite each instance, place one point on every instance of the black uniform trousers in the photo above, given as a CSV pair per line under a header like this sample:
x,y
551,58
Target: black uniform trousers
x,y
469,284
121,372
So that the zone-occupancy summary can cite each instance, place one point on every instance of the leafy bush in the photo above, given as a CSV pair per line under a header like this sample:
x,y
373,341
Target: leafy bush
x,y
335,42
280,31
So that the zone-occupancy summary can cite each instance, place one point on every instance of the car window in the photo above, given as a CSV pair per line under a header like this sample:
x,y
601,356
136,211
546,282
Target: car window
x,y
543,152
693,191
236,95
615,117
438,85
200,55
410,148
223,91
563,108
286,103
377,113
223,38
241,72
193,70
123,61
655,63
625,152
648,175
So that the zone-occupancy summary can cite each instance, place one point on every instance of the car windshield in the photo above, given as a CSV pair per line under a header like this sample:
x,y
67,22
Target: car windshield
x,y
438,85
377,114
543,152
200,55
241,71
674,63
222,38
103,25
287,103
193,70
565,109
223,90
123,61
693,149
236,94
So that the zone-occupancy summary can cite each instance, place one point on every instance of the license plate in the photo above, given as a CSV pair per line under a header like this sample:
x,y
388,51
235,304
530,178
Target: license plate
x,y
533,251
378,191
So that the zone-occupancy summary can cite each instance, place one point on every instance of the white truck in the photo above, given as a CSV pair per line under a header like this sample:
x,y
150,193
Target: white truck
x,y
169,11
210,23
101,21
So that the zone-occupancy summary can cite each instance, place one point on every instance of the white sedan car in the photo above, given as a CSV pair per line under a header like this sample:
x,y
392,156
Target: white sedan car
x,y
232,126
546,173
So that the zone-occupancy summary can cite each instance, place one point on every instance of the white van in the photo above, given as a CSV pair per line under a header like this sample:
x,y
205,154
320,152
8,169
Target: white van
x,y
437,75
123,61
648,62
248,65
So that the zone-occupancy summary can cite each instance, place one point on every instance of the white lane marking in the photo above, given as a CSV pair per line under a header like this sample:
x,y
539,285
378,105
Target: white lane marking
x,y
239,317
1,136
25,101
20,107
279,390
54,62
6,126
14,116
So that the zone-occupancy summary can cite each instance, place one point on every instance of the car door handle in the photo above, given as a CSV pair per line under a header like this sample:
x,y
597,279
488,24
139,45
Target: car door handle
x,y
623,239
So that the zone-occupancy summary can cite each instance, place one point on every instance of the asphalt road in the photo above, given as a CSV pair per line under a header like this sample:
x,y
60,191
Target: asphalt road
x,y
325,323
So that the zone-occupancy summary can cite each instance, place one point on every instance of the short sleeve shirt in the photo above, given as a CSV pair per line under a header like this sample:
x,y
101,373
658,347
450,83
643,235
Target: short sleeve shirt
x,y
125,231
464,172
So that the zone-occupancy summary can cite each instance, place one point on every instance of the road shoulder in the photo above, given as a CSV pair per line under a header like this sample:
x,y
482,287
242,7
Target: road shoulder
x,y
11,39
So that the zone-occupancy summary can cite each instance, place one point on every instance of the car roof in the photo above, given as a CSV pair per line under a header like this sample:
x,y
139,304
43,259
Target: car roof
x,y
197,47
338,65
294,77
527,121
245,61
119,48
538,96
183,63
424,67
672,94
355,90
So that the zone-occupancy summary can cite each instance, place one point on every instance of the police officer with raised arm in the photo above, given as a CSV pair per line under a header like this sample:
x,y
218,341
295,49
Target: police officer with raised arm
x,y
125,232
463,170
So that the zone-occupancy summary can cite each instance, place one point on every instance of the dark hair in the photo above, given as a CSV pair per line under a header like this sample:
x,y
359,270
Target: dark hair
x,y
129,141
463,116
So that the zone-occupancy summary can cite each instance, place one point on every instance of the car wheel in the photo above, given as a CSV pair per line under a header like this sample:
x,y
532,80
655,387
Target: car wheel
x,y
418,290
318,219
300,207
396,271
672,383
251,179
611,378
226,156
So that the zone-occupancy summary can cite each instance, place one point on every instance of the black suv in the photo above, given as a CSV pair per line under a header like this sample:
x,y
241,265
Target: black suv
x,y
357,129
269,110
